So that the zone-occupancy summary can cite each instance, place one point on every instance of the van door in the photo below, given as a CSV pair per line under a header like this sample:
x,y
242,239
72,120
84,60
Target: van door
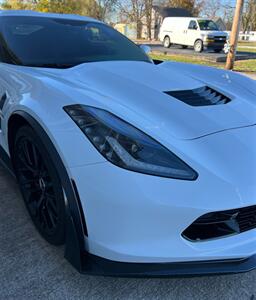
x,y
192,33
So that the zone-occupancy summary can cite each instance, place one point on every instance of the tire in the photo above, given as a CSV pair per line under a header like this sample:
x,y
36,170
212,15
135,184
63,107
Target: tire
x,y
167,42
199,46
217,50
184,47
40,185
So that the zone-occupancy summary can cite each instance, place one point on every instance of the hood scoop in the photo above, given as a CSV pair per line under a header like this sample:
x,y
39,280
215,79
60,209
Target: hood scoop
x,y
203,96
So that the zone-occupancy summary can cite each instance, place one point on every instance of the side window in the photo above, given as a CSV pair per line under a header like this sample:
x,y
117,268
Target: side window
x,y
192,25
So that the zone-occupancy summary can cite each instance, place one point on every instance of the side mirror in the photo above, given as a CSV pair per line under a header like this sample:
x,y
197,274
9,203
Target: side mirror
x,y
145,48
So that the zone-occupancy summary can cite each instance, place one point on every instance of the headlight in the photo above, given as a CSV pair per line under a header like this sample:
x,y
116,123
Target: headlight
x,y
126,146
210,37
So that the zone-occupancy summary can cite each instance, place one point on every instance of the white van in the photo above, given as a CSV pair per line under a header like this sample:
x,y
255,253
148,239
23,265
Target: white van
x,y
197,32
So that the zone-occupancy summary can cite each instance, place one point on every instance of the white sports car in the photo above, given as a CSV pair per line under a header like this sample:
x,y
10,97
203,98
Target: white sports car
x,y
141,167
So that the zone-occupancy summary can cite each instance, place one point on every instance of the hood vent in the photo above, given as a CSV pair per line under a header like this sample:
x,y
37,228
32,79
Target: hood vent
x,y
203,96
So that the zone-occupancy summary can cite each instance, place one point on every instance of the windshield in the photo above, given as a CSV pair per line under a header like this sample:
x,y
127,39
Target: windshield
x,y
208,25
52,42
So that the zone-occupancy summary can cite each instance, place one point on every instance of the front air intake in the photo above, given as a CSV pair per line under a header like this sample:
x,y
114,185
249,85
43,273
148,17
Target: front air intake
x,y
223,223
203,96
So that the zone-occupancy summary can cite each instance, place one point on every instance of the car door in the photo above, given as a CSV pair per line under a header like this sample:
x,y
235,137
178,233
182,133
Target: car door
x,y
192,33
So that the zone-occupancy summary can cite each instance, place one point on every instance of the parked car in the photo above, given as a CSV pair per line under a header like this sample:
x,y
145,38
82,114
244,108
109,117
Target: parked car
x,y
197,32
140,168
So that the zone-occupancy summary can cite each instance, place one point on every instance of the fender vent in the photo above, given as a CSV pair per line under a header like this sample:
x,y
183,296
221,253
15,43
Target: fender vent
x,y
203,96
222,223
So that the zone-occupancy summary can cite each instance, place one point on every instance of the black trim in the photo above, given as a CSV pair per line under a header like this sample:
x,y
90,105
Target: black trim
x,y
2,100
99,266
75,239
80,208
6,161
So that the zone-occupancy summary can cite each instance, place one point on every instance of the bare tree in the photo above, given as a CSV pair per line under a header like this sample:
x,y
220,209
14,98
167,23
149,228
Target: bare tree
x,y
211,9
133,11
249,16
148,16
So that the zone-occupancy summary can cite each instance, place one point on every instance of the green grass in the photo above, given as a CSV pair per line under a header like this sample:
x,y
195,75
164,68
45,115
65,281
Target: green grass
x,y
246,66
252,50
249,44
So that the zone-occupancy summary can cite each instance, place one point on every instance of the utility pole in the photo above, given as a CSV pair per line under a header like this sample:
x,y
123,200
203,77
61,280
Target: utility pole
x,y
235,34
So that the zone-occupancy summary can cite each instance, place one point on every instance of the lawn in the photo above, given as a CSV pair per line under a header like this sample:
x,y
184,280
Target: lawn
x,y
247,44
240,66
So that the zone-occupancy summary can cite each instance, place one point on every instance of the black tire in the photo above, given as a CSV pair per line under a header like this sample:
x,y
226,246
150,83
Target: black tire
x,y
199,46
40,185
184,47
217,50
167,42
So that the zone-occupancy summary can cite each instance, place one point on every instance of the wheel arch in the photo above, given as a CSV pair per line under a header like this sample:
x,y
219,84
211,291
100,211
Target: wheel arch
x,y
76,227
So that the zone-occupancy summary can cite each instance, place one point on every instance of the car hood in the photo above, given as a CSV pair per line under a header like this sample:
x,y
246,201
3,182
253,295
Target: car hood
x,y
135,92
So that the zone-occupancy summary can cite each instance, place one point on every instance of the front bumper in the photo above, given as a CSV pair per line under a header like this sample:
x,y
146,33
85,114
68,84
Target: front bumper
x,y
90,264
214,45
138,220
95,265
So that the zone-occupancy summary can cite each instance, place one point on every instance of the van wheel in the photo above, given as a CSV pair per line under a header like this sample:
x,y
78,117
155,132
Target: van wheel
x,y
199,46
167,42
217,50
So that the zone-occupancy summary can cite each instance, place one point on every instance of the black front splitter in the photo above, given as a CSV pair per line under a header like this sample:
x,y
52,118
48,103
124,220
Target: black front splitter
x,y
95,265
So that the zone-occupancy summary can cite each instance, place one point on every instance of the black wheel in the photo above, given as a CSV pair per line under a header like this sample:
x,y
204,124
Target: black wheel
x,y
217,50
167,42
40,185
184,47
199,46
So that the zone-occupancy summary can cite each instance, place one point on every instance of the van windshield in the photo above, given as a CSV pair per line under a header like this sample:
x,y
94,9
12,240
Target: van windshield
x,y
208,25
62,43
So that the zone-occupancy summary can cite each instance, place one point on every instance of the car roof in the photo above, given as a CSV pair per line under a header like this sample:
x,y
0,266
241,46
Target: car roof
x,y
30,13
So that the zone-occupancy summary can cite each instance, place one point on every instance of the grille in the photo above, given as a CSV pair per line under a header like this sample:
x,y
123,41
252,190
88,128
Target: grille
x,y
200,97
219,224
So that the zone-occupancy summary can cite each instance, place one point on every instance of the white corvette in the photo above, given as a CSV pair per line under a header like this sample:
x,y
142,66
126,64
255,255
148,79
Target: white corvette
x,y
141,168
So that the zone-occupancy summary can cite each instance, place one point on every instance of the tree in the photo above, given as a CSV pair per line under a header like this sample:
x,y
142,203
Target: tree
x,y
148,16
17,4
90,8
249,16
211,9
134,11
193,6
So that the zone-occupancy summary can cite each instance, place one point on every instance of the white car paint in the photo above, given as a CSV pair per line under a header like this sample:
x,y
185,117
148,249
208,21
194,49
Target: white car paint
x,y
133,217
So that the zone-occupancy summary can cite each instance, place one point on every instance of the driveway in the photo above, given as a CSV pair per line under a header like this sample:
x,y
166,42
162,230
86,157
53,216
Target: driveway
x,y
31,269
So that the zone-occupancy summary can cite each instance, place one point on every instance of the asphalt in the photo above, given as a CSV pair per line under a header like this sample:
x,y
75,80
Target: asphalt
x,y
208,55
32,269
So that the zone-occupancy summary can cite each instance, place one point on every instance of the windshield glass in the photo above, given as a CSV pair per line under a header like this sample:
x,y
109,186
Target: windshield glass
x,y
208,25
52,42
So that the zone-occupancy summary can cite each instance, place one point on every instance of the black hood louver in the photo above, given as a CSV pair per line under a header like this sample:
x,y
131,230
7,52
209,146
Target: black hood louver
x,y
203,96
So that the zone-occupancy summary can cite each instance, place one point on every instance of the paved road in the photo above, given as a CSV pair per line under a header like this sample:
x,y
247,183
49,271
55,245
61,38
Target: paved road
x,y
210,55
31,269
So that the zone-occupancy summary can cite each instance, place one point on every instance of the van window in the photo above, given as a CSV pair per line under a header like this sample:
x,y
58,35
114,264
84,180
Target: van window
x,y
208,25
193,25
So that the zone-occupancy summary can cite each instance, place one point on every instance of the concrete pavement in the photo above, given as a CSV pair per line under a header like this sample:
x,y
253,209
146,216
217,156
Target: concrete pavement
x,y
32,269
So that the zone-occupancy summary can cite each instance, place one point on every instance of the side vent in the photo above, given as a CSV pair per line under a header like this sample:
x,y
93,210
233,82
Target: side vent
x,y
203,96
2,100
